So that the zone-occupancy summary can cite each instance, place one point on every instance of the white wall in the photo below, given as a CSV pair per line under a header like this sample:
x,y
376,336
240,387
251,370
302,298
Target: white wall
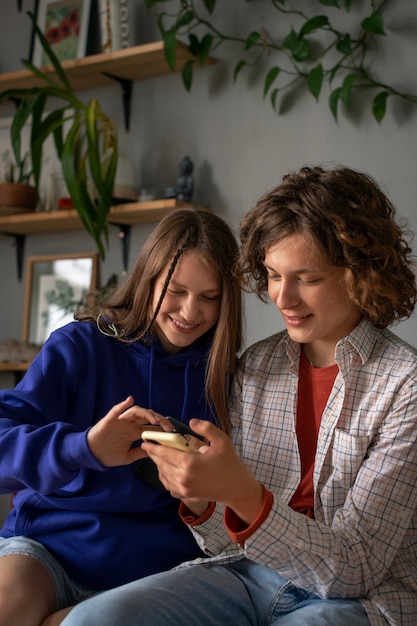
x,y
239,145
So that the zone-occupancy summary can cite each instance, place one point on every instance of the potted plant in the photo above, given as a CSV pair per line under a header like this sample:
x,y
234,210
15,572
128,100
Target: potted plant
x,y
17,194
82,134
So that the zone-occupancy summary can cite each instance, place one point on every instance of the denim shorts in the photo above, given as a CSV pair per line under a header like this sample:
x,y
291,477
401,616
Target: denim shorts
x,y
67,590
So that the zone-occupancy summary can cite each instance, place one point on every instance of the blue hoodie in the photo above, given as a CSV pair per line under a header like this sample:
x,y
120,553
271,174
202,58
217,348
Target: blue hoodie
x,y
104,525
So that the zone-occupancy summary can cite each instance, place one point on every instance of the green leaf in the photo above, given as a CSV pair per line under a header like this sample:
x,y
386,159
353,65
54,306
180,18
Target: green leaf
x,y
93,149
334,70
45,78
52,121
160,22
344,45
77,185
69,152
274,95
50,54
103,178
315,80
19,120
334,101
238,68
205,47
302,52
110,173
379,105
51,88
270,78
184,19
193,44
187,74
291,40
200,48
347,4
170,48
151,3
37,138
57,132
346,90
329,3
210,5
374,24
300,48
252,40
313,24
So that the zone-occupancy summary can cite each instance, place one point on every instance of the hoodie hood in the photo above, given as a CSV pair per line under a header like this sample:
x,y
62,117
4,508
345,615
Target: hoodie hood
x,y
175,382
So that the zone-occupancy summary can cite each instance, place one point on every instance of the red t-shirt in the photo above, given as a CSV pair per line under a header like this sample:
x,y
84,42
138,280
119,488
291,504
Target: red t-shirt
x,y
314,386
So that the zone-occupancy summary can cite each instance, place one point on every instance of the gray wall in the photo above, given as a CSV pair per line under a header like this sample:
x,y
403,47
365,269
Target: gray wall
x,y
239,145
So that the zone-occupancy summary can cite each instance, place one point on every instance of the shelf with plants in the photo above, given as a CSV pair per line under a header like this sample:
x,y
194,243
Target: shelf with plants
x,y
100,70
121,67
64,220
89,135
124,216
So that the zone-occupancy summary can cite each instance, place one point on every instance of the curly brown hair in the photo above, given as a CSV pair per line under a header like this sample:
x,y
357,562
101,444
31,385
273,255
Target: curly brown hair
x,y
127,314
352,222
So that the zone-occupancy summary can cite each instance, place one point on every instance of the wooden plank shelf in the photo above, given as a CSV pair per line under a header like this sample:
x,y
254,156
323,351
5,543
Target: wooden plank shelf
x,y
67,219
7,366
124,216
17,369
128,64
101,70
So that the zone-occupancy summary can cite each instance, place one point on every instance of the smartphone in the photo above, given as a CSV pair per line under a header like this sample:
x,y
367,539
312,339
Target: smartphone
x,y
183,429
146,470
173,440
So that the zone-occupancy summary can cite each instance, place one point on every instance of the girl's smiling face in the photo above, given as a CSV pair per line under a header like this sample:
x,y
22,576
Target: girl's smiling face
x,y
191,305
311,295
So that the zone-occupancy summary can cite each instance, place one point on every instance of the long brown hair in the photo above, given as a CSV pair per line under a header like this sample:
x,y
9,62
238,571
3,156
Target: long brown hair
x,y
127,314
352,222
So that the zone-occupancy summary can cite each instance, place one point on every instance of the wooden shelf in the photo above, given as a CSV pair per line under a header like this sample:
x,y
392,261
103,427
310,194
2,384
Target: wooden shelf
x,y
67,219
130,64
17,369
99,70
6,366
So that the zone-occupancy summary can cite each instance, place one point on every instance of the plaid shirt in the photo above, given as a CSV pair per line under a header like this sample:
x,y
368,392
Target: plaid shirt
x,y
363,541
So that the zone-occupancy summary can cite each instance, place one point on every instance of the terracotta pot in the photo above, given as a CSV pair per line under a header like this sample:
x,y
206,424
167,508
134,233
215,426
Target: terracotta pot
x,y
17,198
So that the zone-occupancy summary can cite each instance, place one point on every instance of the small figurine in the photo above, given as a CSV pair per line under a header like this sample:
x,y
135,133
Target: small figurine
x,y
185,184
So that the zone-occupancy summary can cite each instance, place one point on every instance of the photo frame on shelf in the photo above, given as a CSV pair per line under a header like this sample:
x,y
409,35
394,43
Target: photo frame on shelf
x,y
65,24
56,286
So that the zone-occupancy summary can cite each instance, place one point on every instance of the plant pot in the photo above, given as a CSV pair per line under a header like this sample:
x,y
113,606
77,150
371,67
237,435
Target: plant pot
x,y
17,198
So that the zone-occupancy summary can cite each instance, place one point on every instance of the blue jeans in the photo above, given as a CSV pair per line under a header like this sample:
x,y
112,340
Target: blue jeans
x,y
242,593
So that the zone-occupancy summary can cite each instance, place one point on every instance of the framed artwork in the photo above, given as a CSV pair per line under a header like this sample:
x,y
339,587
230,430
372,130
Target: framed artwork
x,y
56,286
65,24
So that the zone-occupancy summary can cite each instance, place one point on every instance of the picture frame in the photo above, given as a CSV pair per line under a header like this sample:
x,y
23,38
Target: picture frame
x,y
55,287
65,24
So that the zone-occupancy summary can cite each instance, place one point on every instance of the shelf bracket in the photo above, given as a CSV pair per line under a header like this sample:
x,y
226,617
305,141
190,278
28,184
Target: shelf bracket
x,y
124,236
19,242
126,86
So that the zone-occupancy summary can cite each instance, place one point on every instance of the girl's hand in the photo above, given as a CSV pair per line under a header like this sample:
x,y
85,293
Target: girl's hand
x,y
111,439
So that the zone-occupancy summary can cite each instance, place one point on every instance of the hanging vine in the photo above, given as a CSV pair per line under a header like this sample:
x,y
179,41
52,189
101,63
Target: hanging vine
x,y
313,51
